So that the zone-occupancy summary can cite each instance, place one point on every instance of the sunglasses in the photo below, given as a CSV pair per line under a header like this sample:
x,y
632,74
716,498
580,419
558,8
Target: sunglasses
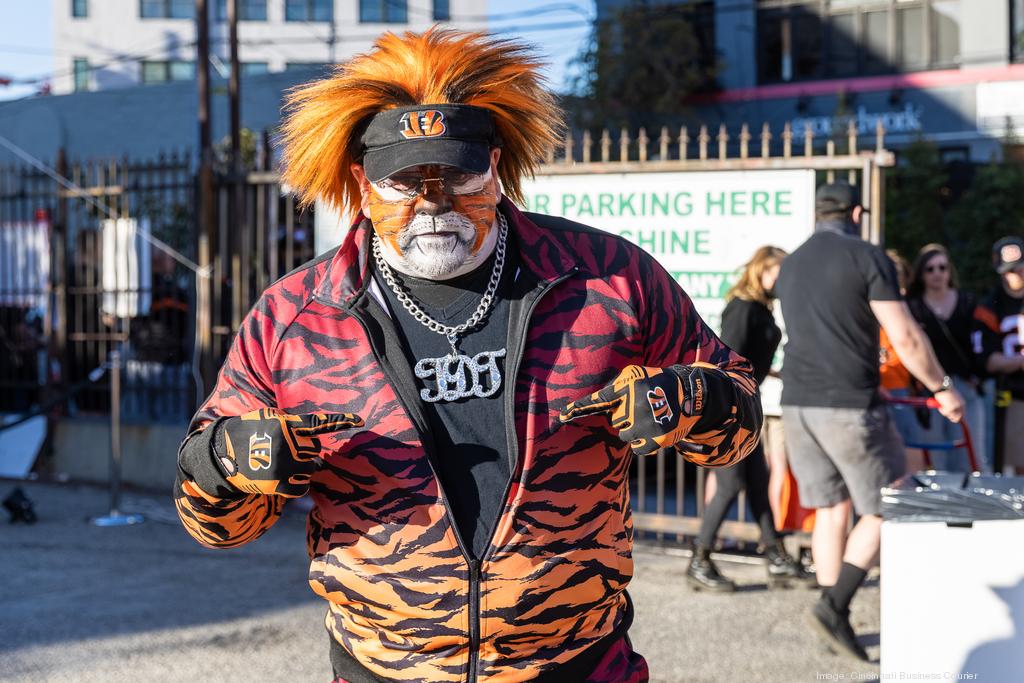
x,y
939,268
407,186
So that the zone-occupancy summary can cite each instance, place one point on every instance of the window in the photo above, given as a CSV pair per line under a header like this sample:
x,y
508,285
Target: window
x,y
80,9
166,9
163,71
300,66
442,10
81,69
309,10
911,40
383,11
804,39
248,10
842,48
946,32
254,68
1017,30
877,55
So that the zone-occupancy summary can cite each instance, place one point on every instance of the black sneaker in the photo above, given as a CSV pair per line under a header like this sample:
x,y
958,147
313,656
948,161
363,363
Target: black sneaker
x,y
834,627
784,571
703,574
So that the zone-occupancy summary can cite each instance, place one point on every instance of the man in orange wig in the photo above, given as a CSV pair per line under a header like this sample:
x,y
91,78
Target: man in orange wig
x,y
459,386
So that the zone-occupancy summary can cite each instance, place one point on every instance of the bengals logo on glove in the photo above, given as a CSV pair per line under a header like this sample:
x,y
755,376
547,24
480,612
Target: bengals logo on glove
x,y
271,452
652,408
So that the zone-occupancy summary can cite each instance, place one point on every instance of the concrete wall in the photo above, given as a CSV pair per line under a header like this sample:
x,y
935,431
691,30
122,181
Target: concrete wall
x,y
114,32
81,449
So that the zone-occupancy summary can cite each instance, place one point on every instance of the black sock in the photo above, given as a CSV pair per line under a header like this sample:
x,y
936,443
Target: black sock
x,y
850,578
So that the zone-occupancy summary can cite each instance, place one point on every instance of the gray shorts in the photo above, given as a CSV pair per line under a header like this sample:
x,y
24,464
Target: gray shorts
x,y
841,453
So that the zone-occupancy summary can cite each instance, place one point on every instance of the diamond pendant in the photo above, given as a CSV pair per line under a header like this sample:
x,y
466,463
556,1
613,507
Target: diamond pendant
x,y
459,376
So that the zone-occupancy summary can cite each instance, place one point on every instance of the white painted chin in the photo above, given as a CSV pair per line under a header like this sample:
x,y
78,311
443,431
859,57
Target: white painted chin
x,y
438,247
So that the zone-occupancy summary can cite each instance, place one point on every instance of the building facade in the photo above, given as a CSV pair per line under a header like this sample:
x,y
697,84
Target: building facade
x,y
950,71
104,44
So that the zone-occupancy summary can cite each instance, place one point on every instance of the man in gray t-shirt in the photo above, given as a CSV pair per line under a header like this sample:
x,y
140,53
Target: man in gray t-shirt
x,y
836,292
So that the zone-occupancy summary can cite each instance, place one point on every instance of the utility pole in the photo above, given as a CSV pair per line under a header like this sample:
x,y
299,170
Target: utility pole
x,y
207,217
233,88
332,38
237,231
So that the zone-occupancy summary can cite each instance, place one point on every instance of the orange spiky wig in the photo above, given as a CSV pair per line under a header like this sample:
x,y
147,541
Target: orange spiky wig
x,y
326,117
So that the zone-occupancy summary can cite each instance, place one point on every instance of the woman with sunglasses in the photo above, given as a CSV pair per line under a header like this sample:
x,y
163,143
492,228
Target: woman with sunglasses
x,y
951,318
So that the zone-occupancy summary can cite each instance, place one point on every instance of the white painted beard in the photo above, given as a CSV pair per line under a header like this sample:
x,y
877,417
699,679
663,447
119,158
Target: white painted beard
x,y
438,247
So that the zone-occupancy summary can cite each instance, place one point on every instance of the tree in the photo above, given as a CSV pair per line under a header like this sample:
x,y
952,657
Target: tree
x,y
991,208
921,208
915,192
640,65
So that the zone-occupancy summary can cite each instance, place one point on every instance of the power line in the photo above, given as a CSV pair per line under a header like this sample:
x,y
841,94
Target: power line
x,y
472,18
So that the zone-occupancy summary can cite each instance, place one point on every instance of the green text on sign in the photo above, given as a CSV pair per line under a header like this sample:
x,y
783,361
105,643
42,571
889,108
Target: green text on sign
x,y
704,284
717,203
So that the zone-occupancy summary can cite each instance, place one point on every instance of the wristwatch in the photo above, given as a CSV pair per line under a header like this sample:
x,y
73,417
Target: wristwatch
x,y
947,384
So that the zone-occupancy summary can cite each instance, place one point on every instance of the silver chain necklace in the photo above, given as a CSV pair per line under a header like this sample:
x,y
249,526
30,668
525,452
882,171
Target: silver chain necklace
x,y
456,375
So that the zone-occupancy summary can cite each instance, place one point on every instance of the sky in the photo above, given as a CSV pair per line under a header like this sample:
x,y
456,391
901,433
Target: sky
x,y
27,50
26,43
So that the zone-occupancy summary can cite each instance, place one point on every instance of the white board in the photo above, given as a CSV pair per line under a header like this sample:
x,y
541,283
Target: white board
x,y
952,601
25,264
127,267
20,445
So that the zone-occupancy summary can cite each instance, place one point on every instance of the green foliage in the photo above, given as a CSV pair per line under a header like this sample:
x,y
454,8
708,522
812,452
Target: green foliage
x,y
920,208
248,140
992,207
914,198
639,67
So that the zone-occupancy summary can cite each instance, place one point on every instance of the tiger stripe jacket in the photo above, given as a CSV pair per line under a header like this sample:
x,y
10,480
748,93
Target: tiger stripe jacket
x,y
406,601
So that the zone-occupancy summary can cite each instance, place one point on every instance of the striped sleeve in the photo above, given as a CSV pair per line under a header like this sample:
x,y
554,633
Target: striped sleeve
x,y
211,511
730,425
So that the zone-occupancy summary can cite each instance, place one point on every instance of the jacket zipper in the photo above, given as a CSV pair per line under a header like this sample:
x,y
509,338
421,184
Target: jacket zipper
x,y
512,443
419,424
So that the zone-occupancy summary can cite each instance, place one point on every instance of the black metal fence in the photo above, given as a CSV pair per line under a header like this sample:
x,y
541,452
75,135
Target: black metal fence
x,y
101,255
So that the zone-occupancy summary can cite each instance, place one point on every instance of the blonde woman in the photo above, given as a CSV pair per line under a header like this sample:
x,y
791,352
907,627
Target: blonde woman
x,y
748,327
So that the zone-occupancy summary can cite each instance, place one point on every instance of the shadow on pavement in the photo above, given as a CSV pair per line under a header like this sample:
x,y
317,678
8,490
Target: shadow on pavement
x,y
65,580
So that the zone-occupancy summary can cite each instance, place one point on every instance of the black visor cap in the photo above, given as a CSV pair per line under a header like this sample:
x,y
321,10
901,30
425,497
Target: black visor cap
x,y
455,135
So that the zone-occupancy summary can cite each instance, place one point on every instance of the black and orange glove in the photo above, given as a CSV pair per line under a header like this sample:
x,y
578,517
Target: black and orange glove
x,y
652,408
273,453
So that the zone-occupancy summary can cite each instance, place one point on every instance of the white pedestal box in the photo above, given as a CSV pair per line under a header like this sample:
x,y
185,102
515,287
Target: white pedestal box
x,y
953,601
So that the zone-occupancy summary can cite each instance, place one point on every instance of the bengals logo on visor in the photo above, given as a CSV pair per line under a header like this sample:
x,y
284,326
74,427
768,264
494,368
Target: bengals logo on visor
x,y
659,405
259,451
422,124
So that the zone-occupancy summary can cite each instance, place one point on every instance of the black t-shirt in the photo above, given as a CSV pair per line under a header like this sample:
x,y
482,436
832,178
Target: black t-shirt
x,y
469,434
749,329
1009,312
952,338
825,287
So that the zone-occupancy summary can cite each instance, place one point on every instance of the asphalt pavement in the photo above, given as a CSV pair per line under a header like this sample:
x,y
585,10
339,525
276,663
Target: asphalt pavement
x,y
146,603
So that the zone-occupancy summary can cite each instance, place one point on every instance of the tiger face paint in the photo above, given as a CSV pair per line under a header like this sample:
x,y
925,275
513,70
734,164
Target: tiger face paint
x,y
444,229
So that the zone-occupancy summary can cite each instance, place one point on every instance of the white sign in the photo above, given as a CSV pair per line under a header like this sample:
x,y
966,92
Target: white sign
x,y
329,227
25,264
702,227
999,105
127,267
